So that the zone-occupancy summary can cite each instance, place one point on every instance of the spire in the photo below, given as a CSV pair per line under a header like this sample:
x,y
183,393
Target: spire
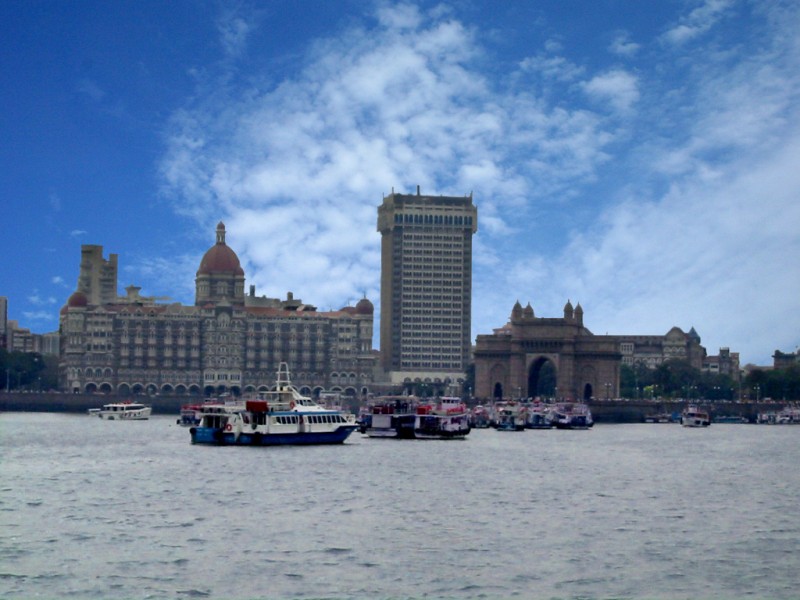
x,y
516,312
221,233
568,311
528,312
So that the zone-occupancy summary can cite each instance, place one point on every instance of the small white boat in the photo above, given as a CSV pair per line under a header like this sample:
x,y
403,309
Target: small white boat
x,y
124,411
693,416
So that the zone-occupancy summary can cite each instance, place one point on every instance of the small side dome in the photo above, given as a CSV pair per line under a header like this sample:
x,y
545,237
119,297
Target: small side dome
x,y
78,300
364,307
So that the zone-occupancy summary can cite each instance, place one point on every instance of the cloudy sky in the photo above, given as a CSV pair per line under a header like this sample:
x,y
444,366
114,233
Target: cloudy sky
x,y
640,158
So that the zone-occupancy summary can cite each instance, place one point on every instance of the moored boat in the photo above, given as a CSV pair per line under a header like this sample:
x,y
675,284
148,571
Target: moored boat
x,y
281,416
390,417
480,418
571,415
124,411
510,416
694,416
446,419
538,416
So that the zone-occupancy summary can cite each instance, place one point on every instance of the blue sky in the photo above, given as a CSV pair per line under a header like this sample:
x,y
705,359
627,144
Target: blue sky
x,y
639,157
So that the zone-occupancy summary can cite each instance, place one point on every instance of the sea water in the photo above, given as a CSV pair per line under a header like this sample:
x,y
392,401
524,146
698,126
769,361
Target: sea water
x,y
109,509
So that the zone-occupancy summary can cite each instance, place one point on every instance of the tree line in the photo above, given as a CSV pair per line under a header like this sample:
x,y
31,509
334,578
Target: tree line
x,y
678,379
28,371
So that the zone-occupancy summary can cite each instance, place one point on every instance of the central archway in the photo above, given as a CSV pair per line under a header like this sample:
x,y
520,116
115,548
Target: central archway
x,y
542,378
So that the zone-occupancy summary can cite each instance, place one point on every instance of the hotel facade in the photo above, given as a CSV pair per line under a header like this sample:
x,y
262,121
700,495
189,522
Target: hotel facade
x,y
227,342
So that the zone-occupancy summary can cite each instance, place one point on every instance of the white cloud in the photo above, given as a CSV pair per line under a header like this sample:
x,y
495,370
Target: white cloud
x,y
621,46
617,87
697,22
360,119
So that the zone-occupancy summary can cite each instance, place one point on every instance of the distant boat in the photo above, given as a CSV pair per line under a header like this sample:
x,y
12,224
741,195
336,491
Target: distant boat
x,y
479,417
571,415
693,416
123,411
731,419
282,416
444,420
538,416
390,417
658,418
510,416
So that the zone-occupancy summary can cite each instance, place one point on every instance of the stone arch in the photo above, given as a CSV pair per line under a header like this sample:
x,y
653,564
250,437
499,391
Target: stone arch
x,y
91,388
542,378
497,392
123,389
106,388
498,375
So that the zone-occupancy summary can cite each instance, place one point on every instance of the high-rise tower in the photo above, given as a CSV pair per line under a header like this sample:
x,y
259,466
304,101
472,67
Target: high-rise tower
x,y
426,285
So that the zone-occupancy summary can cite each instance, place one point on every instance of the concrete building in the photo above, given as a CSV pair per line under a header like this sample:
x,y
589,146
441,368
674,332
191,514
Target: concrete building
x,y
724,363
652,350
426,287
225,343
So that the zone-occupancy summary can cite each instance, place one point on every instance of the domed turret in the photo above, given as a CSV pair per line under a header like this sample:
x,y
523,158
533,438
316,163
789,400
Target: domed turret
x,y
220,258
527,313
78,300
516,312
364,307
220,277
569,313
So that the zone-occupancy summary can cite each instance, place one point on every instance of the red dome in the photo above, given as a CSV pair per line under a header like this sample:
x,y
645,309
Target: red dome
x,y
220,258
364,307
77,300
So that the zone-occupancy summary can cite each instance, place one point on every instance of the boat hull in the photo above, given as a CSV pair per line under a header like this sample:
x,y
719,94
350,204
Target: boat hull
x,y
216,436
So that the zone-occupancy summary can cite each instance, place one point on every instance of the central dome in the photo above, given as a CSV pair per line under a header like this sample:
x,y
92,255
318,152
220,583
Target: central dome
x,y
220,258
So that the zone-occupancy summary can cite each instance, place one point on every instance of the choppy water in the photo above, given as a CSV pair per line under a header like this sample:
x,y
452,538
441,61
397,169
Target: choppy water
x,y
105,509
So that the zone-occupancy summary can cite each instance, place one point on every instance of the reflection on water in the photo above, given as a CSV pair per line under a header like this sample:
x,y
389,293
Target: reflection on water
x,y
93,509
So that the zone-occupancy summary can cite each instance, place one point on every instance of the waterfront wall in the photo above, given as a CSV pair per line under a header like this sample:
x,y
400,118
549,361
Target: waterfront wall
x,y
80,403
603,411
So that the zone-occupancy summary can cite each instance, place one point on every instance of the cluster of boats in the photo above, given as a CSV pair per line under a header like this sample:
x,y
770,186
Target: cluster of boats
x,y
515,415
406,417
283,416
789,415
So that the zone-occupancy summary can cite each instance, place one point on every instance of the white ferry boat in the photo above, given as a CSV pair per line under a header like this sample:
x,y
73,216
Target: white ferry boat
x,y
446,419
693,416
124,411
390,417
279,417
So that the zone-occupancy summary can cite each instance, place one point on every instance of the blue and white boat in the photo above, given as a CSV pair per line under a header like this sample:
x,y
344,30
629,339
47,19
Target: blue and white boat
x,y
279,417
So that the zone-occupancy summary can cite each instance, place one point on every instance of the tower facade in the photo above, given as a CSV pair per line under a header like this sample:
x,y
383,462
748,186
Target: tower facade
x,y
426,285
